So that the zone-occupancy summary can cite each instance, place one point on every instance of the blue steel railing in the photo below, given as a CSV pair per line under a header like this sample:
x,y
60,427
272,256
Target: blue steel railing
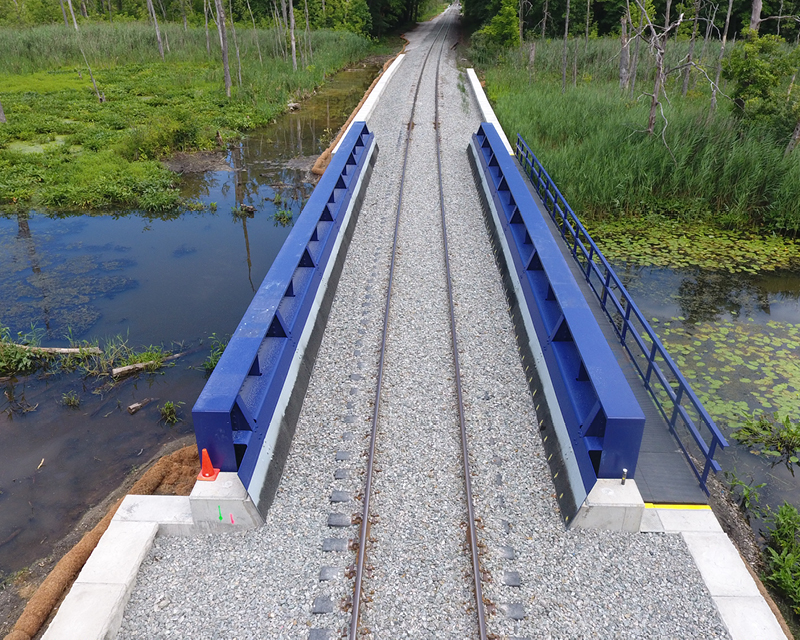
x,y
604,422
237,404
671,392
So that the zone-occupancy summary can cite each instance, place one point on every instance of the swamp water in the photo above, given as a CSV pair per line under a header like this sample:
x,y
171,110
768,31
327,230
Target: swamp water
x,y
736,339
171,280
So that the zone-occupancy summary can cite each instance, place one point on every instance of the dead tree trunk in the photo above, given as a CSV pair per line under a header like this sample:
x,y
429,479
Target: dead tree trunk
x,y
291,34
72,13
689,58
235,43
205,16
308,33
721,54
755,15
544,18
183,13
659,83
564,54
790,147
64,13
588,16
3,113
223,38
255,33
635,64
151,9
532,61
624,56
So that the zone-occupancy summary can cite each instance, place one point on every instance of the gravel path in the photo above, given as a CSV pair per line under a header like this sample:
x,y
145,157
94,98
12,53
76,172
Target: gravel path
x,y
287,579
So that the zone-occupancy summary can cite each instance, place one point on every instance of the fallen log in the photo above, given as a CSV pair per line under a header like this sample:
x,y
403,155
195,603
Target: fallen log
x,y
60,350
141,366
140,405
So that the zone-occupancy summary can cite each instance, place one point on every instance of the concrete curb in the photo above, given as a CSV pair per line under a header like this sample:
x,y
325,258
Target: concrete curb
x,y
487,112
93,608
742,608
370,103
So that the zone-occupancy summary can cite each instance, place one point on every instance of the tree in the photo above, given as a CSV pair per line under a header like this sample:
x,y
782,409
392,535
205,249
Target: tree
x,y
564,53
758,66
2,114
223,38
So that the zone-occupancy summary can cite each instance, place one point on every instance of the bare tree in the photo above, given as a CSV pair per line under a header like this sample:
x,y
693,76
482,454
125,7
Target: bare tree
x,y
588,16
223,38
544,18
721,54
64,13
625,55
151,10
291,34
235,43
635,64
789,148
657,42
72,13
564,54
308,33
689,57
255,33
205,16
755,15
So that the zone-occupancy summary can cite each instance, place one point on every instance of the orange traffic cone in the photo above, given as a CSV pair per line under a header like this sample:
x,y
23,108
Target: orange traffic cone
x,y
208,472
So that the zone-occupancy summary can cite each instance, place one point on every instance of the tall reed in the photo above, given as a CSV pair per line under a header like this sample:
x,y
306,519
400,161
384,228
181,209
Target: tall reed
x,y
592,141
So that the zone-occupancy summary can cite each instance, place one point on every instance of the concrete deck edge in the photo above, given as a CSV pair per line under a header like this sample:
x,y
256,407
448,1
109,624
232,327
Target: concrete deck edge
x,y
94,606
372,100
486,109
741,607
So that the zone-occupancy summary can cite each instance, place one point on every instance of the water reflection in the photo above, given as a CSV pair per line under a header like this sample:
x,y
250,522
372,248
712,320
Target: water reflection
x,y
178,276
736,338
698,295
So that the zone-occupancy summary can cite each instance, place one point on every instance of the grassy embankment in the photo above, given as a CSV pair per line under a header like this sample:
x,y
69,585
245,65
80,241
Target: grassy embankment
x,y
61,147
592,140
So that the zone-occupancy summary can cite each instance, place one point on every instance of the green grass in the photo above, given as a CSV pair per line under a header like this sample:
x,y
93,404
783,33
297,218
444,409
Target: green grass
x,y
591,140
62,148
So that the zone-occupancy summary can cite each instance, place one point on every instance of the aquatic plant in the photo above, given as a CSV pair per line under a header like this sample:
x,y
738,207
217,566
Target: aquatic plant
x,y
217,348
737,367
15,358
771,436
749,496
71,400
283,217
169,412
783,554
660,241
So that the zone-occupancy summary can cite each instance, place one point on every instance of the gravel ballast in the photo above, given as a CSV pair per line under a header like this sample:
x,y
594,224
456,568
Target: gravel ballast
x,y
289,578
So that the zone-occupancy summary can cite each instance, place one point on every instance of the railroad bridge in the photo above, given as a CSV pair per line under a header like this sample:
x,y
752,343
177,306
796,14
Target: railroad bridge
x,y
442,416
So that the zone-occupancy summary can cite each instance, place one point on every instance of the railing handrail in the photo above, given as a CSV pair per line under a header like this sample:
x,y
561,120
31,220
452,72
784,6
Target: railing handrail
x,y
684,388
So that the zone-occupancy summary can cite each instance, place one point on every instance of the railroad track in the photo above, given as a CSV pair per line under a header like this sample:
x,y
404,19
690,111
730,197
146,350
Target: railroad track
x,y
436,51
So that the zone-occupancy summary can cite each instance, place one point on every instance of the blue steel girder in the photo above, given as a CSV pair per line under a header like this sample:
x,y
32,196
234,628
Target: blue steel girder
x,y
604,421
236,406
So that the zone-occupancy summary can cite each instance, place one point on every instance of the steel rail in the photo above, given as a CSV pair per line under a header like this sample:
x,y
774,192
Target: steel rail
x,y
364,527
471,531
